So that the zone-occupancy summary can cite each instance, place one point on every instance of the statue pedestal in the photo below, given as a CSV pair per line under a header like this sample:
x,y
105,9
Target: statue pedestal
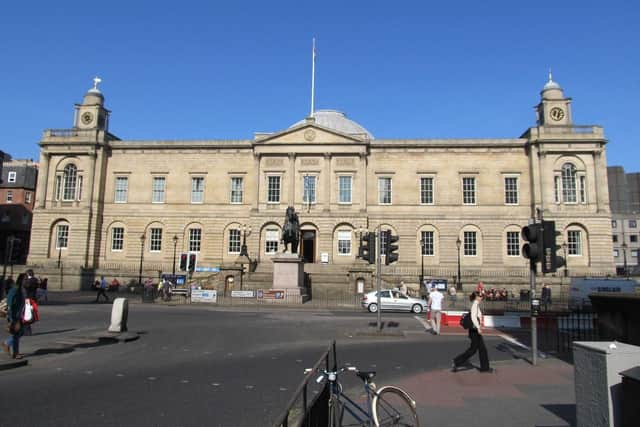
x,y
288,274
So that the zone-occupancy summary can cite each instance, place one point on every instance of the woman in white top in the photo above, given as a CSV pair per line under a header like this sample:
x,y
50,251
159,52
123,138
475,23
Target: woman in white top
x,y
475,335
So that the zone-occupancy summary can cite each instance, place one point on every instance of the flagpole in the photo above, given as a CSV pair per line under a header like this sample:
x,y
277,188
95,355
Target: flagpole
x,y
313,75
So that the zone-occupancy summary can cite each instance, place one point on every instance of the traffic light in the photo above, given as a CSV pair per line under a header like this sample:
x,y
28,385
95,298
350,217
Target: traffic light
x,y
532,234
551,261
390,248
367,249
192,262
184,259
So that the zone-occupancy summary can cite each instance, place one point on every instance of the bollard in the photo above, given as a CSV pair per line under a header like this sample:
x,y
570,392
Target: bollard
x,y
119,313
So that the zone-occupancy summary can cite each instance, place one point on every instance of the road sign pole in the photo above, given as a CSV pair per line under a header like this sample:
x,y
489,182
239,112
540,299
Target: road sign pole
x,y
378,278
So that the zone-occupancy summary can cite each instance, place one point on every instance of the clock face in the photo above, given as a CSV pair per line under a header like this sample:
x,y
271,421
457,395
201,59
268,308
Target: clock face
x,y
87,118
556,113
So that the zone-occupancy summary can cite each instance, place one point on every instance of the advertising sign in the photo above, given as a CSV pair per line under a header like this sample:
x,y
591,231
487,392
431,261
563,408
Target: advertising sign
x,y
207,269
270,293
204,295
242,294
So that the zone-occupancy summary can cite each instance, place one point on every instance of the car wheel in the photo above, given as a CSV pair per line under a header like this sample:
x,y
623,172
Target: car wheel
x,y
373,308
417,308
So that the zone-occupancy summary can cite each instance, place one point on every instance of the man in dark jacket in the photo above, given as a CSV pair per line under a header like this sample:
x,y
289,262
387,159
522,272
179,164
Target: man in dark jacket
x,y
31,285
15,305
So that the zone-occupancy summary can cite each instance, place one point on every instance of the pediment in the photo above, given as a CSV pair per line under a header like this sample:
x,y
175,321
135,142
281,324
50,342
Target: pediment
x,y
309,134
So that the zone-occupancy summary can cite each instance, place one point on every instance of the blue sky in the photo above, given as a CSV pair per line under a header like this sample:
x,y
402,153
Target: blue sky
x,y
404,69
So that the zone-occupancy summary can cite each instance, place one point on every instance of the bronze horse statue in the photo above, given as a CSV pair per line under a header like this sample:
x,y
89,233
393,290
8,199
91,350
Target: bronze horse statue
x,y
291,230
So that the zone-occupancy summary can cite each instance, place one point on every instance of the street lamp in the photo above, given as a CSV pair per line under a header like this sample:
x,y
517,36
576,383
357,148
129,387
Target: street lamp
x,y
141,258
243,251
566,261
175,244
422,242
624,257
458,280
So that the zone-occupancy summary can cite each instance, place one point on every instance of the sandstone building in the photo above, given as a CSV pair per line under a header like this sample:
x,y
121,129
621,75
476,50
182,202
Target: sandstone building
x,y
102,203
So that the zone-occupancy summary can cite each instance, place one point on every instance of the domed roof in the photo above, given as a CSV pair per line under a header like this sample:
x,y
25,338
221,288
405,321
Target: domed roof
x,y
338,121
93,95
551,89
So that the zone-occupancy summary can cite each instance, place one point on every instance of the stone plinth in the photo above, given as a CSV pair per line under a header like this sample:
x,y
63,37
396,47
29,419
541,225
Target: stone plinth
x,y
288,273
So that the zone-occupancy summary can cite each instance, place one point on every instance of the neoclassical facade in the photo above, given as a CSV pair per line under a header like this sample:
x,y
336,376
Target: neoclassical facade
x,y
103,202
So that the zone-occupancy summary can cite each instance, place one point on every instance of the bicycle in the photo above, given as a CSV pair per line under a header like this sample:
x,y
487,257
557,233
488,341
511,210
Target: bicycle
x,y
386,406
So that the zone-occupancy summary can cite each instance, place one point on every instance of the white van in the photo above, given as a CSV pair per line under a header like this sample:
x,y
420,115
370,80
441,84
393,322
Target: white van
x,y
582,287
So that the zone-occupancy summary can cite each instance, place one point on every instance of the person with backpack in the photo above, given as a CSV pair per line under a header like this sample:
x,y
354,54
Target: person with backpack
x,y
474,324
15,307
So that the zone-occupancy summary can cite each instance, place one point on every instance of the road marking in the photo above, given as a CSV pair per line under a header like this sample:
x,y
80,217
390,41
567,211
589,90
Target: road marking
x,y
184,381
283,389
119,375
514,341
249,387
215,384
88,372
151,378
423,322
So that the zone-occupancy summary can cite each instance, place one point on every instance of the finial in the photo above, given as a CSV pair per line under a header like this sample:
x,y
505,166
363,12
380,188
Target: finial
x,y
550,75
96,80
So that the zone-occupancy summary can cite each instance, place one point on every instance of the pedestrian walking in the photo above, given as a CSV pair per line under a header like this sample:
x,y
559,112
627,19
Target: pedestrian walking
x,y
546,296
475,335
31,285
43,293
101,288
403,288
435,304
15,307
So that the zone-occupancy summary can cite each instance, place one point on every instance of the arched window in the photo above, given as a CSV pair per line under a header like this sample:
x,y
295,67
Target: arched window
x,y
70,180
569,186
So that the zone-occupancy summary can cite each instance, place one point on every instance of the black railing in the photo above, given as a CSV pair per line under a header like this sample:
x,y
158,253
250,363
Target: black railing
x,y
299,411
558,331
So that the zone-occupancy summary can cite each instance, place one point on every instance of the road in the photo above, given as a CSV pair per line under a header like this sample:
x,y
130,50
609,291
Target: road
x,y
195,365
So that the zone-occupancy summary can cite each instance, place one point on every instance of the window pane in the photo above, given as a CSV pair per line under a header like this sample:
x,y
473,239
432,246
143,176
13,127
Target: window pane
x,y
237,190
197,190
122,186
513,243
511,190
470,248
273,189
633,223
195,239
117,238
158,189
426,190
155,244
234,241
427,243
344,242
568,183
556,189
469,191
309,192
384,190
345,189
583,190
70,177
58,188
9,196
62,236
574,242
271,240
12,177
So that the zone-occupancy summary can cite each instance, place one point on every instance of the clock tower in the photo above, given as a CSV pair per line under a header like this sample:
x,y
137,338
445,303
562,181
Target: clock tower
x,y
554,108
91,114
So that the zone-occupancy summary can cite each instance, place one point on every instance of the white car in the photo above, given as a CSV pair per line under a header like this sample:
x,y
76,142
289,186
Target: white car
x,y
391,299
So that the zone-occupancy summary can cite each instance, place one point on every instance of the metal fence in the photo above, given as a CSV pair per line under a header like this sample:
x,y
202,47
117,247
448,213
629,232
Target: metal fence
x,y
558,331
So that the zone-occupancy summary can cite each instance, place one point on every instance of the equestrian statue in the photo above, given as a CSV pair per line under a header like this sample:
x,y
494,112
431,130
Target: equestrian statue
x,y
291,230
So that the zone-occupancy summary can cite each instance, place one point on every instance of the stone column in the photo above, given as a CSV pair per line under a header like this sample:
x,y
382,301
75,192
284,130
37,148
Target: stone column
x,y
363,182
326,170
292,179
43,180
256,188
602,194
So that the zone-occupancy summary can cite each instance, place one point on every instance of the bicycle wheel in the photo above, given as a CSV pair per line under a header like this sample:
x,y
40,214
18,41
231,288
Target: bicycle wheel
x,y
392,406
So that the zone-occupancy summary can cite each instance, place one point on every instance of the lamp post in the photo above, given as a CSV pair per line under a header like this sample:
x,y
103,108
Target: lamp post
x,y
243,251
458,281
142,238
421,263
566,261
624,258
175,244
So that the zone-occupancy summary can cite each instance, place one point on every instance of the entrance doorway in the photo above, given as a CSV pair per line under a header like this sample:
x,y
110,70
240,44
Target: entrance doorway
x,y
308,246
228,285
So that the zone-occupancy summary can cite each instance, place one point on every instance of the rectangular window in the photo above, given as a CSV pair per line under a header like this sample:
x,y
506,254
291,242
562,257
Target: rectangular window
x,y
273,189
426,243
616,253
122,188
58,188
197,189
79,196
159,183
117,239
272,237
384,191
633,238
583,189
574,242
556,188
309,189
614,223
426,191
633,223
27,197
155,243
62,236
237,190
12,177
511,190
634,253
344,242
234,241
469,191
344,186
9,196
615,239
513,243
470,244
195,239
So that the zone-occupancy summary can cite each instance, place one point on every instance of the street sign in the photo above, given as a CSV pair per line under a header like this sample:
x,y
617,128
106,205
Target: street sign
x,y
242,294
270,293
207,269
204,295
